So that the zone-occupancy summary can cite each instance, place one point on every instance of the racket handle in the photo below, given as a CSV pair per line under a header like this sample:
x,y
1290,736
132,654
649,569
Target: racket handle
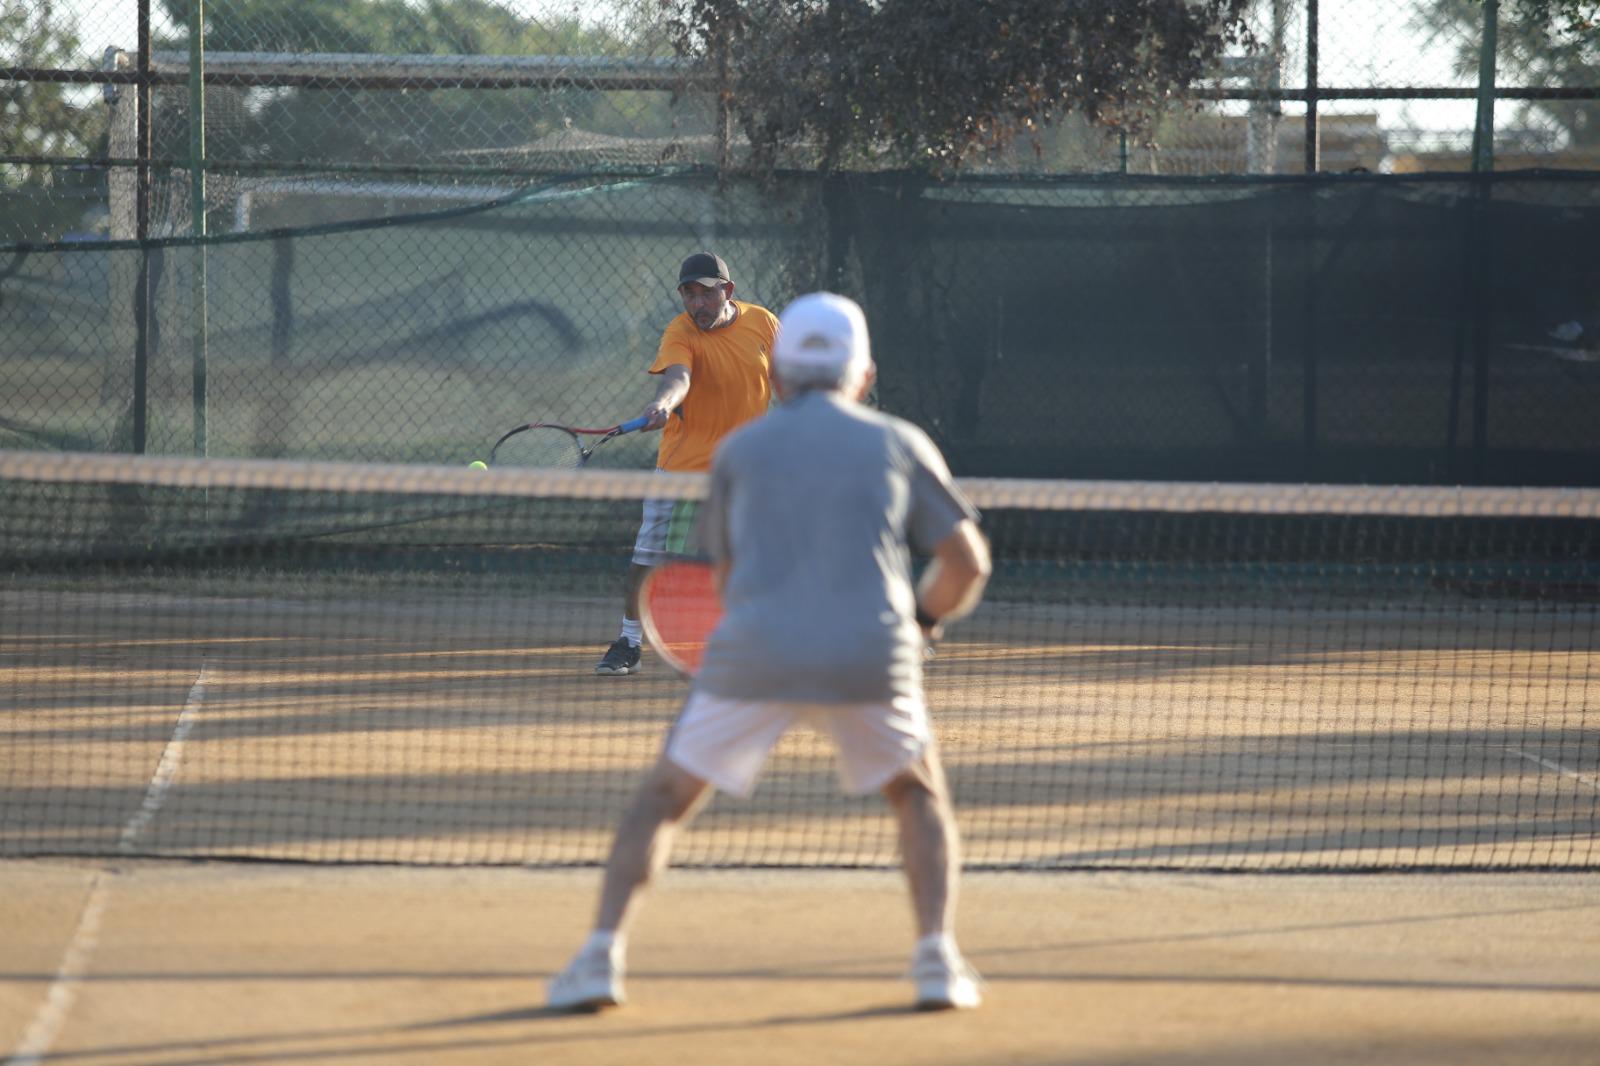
x,y
633,424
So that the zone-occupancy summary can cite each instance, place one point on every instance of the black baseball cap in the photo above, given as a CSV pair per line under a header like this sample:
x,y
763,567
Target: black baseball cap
x,y
705,268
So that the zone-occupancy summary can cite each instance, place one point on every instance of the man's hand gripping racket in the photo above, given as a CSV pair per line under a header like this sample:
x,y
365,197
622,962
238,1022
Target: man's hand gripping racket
x,y
679,607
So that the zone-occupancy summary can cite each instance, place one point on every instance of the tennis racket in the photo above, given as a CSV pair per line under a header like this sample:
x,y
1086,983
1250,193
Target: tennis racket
x,y
679,607
545,444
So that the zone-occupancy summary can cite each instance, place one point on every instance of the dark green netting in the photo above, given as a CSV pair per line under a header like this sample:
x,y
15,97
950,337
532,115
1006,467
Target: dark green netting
x,y
1371,329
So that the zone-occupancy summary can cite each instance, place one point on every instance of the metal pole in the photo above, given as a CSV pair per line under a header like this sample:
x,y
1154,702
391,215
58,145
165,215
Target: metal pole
x,y
144,150
1308,325
1483,129
1275,84
197,212
1266,152
1313,130
1478,250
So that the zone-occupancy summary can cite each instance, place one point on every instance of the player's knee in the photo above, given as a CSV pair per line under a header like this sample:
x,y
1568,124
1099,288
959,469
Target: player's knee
x,y
911,788
673,791
920,781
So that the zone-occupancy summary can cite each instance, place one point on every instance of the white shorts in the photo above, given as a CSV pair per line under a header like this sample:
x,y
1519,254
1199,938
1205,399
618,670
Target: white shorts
x,y
726,741
666,531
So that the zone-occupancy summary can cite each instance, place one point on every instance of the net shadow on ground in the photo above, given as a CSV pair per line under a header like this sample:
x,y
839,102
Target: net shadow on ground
x,y
443,728
1118,811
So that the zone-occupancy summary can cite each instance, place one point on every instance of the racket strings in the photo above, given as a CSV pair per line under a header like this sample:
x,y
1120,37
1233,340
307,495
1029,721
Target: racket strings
x,y
546,447
679,608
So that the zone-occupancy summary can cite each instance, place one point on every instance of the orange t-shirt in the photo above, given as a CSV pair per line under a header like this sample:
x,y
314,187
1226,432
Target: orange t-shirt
x,y
728,382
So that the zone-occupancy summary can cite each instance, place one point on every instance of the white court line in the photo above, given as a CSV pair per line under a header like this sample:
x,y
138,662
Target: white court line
x,y
167,768
1587,779
41,1033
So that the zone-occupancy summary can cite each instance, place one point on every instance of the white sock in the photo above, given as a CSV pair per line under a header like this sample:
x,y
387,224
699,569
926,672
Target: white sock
x,y
604,940
941,944
632,631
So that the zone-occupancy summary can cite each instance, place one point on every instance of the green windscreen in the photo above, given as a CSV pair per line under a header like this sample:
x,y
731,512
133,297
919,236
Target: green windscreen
x,y
1430,329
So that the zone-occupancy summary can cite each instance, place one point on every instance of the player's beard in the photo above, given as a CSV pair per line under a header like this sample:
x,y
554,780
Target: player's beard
x,y
709,320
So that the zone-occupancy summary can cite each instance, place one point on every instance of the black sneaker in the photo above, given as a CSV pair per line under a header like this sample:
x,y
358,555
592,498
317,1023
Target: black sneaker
x,y
620,658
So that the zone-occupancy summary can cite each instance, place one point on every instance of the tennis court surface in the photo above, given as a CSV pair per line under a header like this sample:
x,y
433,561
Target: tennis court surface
x,y
1243,772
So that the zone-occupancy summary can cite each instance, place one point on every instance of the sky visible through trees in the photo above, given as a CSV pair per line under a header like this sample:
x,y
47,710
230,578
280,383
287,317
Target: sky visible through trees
x,y
1363,43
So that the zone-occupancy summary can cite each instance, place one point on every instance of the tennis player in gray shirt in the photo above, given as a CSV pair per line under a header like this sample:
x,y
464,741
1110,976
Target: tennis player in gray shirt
x,y
812,516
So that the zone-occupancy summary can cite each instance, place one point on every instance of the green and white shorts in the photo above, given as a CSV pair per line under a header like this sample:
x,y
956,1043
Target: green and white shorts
x,y
667,531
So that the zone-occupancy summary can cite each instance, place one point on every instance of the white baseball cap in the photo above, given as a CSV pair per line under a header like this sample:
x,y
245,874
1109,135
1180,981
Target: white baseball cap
x,y
823,331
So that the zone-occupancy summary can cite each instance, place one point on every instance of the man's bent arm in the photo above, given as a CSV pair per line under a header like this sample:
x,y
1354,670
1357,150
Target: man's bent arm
x,y
671,390
953,582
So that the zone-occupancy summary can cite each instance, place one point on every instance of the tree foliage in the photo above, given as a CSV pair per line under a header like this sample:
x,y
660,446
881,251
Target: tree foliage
x,y
932,83
39,118
1542,43
393,27
1566,18
390,126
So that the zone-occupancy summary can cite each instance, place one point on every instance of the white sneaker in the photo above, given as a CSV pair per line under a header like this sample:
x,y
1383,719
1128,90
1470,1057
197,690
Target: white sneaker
x,y
591,981
945,981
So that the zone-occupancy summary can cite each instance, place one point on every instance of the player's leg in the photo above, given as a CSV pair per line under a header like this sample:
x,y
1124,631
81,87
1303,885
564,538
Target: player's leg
x,y
930,851
623,656
929,843
715,742
666,799
664,532
889,747
636,575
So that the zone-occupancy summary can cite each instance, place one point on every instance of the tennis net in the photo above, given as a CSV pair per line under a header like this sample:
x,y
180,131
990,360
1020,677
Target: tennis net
x,y
340,663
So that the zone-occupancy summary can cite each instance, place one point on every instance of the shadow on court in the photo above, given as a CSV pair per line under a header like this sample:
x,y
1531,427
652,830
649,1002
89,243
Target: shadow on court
x,y
437,728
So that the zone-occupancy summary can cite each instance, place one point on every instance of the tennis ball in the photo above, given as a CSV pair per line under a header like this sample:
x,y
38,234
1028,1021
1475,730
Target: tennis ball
x,y
477,464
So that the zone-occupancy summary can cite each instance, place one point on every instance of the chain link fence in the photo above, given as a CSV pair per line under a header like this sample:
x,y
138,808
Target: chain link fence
x,y
426,221
315,111
1369,328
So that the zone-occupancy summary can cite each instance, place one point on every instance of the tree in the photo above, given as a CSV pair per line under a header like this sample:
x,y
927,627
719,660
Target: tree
x,y
1542,43
1569,18
928,84
426,126
39,118
44,119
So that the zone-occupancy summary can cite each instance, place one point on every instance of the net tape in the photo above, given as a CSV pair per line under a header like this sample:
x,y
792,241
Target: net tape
x,y
1009,493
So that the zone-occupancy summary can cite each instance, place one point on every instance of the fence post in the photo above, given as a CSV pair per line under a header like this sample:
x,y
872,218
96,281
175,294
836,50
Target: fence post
x,y
197,213
1313,129
145,149
1482,235
1309,332
1483,127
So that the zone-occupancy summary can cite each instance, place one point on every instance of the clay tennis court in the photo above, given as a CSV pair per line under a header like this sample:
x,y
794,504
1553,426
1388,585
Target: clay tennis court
x,y
364,742
249,963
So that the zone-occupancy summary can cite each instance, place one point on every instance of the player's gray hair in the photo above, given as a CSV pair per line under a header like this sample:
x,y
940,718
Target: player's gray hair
x,y
819,379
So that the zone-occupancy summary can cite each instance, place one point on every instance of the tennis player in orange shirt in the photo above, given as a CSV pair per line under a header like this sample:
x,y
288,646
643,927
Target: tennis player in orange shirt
x,y
714,371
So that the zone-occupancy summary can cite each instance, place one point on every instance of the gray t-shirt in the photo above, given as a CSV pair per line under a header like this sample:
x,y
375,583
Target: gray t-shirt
x,y
819,505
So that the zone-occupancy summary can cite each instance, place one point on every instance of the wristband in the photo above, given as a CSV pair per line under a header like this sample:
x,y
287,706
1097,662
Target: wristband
x,y
924,619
